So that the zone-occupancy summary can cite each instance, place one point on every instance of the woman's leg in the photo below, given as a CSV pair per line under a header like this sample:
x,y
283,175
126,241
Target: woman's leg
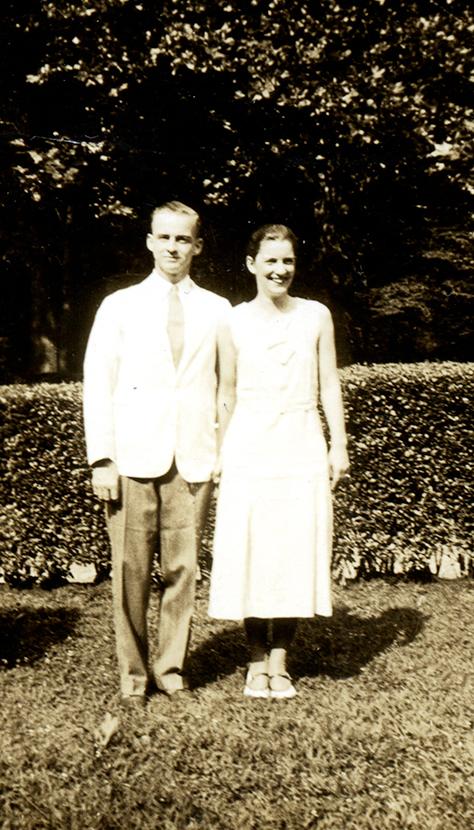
x,y
283,632
257,637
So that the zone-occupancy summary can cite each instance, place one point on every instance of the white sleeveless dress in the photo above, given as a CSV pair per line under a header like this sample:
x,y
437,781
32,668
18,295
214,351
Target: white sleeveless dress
x,y
272,544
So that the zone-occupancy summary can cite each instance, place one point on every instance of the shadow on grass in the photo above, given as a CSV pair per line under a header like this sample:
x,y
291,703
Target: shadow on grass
x,y
26,635
218,656
343,644
337,647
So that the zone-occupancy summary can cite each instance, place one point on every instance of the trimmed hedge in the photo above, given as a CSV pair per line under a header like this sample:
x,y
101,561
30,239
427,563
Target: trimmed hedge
x,y
408,498
49,516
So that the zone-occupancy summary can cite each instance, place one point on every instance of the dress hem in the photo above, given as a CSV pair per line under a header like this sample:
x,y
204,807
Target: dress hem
x,y
277,615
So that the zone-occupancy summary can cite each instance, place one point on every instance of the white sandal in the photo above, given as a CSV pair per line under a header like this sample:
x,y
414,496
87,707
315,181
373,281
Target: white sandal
x,y
249,691
282,694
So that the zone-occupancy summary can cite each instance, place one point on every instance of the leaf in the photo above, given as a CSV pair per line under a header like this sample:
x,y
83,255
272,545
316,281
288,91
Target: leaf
x,y
106,730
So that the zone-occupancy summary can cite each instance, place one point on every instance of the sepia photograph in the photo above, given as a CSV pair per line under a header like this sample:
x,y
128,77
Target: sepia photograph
x,y
236,395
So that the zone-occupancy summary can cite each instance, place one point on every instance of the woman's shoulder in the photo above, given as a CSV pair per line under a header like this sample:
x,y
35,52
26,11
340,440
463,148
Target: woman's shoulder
x,y
240,308
239,312
236,319
313,308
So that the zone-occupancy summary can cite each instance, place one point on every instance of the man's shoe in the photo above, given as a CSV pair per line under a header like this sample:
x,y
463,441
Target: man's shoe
x,y
180,694
133,703
181,685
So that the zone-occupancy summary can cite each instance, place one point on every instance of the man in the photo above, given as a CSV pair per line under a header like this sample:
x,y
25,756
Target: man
x,y
150,382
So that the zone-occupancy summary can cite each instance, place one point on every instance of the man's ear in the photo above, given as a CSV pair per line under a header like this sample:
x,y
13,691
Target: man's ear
x,y
149,241
249,261
198,245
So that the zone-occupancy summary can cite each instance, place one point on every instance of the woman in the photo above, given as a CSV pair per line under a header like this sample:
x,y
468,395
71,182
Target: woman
x,y
272,546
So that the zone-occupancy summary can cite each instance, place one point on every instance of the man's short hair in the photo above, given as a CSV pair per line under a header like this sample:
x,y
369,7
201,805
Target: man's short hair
x,y
179,207
270,232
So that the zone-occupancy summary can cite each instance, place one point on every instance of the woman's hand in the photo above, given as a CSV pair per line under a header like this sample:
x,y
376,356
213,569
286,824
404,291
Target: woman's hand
x,y
338,465
216,473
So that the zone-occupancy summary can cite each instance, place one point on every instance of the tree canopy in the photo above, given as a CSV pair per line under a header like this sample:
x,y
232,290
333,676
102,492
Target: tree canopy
x,y
349,121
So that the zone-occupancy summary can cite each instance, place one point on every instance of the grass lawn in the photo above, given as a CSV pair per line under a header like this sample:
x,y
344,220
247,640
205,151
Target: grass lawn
x,y
380,736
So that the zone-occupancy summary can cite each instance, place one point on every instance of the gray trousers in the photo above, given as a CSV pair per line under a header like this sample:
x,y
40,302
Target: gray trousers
x,y
173,512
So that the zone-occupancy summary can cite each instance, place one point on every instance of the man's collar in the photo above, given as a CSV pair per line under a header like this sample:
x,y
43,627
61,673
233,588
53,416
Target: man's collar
x,y
185,285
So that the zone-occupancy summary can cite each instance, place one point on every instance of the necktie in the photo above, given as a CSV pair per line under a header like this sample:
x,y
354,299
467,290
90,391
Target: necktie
x,y
175,324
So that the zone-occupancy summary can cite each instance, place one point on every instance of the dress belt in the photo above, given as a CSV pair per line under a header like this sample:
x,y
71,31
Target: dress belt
x,y
274,407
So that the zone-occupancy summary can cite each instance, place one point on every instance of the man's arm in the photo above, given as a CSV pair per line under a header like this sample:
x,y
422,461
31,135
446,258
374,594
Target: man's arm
x,y
331,399
100,367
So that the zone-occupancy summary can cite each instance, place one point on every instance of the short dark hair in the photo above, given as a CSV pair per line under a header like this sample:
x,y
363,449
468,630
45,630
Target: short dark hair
x,y
270,232
179,207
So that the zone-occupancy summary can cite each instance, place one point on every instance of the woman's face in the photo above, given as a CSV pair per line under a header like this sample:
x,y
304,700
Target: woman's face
x,y
273,267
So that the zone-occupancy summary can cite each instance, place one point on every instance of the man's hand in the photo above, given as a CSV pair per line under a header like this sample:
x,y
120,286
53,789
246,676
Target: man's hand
x,y
106,480
338,465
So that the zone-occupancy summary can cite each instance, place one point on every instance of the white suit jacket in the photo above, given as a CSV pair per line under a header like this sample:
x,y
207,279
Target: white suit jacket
x,y
139,410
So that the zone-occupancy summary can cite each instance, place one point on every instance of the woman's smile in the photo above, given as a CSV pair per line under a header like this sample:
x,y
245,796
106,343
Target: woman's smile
x,y
276,278
273,267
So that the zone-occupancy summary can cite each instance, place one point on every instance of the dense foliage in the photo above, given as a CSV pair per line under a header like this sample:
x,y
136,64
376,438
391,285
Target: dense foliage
x,y
410,495
407,501
348,120
49,516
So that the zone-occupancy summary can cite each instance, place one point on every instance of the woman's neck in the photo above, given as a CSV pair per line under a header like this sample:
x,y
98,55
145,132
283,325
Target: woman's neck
x,y
273,305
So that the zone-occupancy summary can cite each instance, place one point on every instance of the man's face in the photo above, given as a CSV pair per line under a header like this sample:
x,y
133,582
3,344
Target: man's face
x,y
173,243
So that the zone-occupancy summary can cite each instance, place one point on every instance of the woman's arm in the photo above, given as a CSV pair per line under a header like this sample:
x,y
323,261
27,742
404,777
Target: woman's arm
x,y
226,386
331,399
